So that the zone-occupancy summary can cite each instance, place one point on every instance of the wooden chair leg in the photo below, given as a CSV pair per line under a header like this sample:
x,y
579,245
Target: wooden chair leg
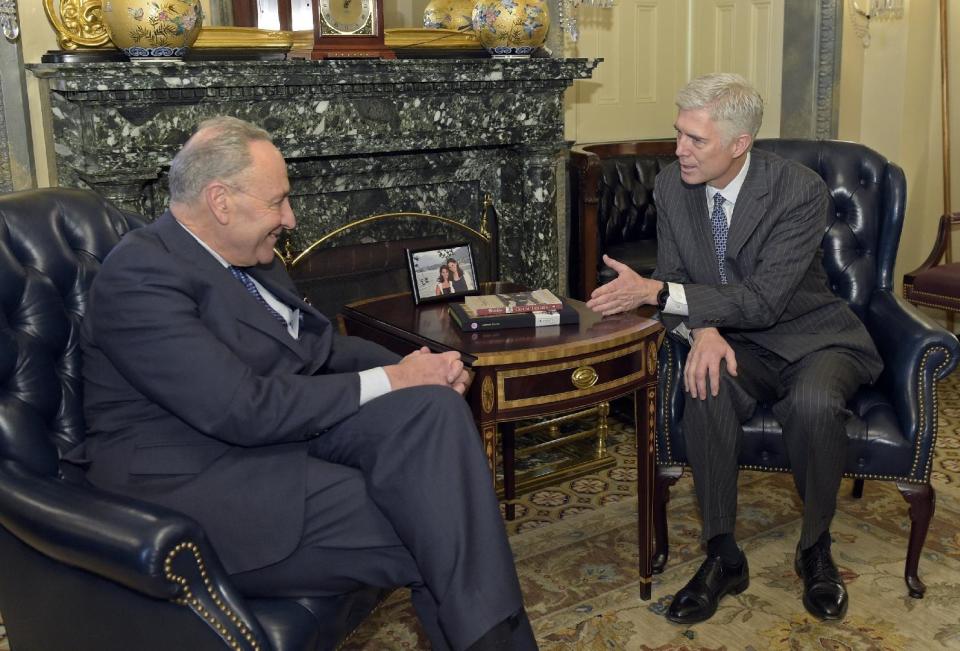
x,y
923,502
666,477
857,488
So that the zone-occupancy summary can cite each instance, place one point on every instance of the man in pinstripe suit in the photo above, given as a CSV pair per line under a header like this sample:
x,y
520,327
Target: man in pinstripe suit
x,y
739,275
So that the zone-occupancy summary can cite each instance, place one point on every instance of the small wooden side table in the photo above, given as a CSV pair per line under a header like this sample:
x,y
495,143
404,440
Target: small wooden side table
x,y
525,373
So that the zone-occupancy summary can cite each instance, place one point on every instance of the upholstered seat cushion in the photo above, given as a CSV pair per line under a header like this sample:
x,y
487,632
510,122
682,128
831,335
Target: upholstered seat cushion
x,y
876,445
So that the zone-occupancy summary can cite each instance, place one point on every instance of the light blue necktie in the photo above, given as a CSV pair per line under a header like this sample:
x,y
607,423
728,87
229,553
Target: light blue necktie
x,y
247,281
719,221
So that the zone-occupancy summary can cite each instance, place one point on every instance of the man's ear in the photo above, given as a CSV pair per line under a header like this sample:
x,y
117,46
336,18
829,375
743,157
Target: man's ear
x,y
218,201
741,145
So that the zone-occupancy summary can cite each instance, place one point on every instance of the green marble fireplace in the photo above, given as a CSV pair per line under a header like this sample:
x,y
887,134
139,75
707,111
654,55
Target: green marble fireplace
x,y
361,138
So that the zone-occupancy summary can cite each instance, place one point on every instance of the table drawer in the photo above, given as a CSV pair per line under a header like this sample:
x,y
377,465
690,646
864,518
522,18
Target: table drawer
x,y
575,379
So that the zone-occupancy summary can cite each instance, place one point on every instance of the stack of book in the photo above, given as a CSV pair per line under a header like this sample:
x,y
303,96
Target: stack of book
x,y
515,310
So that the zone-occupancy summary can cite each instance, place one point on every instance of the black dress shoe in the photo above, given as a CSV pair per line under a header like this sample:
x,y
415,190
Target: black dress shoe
x,y
697,601
824,595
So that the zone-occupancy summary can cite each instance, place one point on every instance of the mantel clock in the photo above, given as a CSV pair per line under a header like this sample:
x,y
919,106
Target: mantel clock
x,y
348,29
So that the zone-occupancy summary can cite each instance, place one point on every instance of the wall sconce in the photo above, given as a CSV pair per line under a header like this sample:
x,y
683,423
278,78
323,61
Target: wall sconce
x,y
567,15
8,19
865,11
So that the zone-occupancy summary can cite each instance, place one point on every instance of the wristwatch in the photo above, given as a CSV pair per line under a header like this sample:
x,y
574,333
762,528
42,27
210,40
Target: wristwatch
x,y
662,297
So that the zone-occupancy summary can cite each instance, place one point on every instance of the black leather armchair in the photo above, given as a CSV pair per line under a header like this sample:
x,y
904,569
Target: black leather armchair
x,y
613,212
900,411
81,569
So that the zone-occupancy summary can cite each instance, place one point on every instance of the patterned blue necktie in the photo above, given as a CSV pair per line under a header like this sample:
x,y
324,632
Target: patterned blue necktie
x,y
247,281
719,221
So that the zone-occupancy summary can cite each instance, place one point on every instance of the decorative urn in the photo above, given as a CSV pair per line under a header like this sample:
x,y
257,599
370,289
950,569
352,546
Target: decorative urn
x,y
511,29
153,29
449,14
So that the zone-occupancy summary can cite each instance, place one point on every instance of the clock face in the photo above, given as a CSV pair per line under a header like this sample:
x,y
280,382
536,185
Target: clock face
x,y
347,17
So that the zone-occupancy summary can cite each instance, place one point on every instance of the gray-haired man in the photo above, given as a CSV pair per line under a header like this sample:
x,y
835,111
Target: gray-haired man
x,y
739,274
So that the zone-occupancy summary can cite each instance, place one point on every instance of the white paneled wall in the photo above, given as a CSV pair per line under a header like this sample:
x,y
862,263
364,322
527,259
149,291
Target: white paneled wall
x,y
652,47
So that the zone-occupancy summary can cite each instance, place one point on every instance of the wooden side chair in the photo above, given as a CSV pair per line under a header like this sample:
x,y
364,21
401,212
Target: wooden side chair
x,y
936,282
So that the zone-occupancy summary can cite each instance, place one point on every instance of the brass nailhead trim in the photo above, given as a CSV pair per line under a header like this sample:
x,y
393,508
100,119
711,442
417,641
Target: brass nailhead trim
x,y
190,600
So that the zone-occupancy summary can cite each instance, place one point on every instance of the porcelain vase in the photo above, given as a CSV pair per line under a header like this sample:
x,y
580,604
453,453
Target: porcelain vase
x,y
511,28
449,14
153,29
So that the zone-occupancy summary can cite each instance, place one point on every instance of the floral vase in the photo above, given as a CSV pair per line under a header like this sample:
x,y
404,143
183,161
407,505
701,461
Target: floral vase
x,y
449,14
153,29
511,29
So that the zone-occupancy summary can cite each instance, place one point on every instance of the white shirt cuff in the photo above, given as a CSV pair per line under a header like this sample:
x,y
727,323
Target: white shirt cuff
x,y
677,300
373,384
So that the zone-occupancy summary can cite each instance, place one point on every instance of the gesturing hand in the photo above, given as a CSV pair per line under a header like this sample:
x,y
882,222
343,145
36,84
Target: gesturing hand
x,y
625,292
421,367
708,350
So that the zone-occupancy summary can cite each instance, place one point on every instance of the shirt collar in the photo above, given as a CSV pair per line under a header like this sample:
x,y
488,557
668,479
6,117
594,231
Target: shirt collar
x,y
732,191
219,258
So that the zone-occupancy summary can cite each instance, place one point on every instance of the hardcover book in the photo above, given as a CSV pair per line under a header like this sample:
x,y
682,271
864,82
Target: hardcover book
x,y
471,322
538,300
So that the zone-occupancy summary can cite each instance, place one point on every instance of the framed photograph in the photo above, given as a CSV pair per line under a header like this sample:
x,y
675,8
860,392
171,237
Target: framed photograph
x,y
442,273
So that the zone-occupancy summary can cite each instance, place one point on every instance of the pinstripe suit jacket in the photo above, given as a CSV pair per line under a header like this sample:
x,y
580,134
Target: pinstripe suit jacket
x,y
777,295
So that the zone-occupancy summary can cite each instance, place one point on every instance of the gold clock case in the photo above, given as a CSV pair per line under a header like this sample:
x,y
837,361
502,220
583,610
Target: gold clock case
x,y
347,17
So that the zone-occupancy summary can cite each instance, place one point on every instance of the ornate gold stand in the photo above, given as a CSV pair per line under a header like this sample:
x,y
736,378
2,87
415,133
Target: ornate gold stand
x,y
585,449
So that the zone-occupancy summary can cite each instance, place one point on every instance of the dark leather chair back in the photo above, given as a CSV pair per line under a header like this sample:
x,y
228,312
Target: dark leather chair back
x,y
51,248
868,196
613,212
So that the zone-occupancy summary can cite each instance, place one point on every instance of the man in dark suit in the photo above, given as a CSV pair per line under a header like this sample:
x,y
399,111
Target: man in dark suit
x,y
315,462
739,275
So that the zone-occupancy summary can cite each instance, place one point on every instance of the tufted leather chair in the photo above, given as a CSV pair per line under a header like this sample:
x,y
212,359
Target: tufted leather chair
x,y
611,191
81,569
900,411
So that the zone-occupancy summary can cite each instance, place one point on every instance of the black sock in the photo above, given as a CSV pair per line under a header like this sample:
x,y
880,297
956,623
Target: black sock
x,y
823,541
724,545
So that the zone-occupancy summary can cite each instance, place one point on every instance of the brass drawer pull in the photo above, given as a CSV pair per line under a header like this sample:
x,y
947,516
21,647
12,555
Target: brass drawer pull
x,y
584,377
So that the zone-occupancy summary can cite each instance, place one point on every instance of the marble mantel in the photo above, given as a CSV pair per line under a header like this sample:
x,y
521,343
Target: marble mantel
x,y
361,138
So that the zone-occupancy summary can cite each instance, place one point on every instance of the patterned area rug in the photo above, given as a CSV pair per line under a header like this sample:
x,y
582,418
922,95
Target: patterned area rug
x,y
575,544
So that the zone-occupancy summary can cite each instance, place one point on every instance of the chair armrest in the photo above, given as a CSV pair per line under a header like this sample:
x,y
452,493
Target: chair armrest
x,y
147,548
916,353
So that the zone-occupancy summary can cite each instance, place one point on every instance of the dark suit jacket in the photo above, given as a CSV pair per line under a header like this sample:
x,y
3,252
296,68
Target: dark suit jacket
x,y
776,294
196,398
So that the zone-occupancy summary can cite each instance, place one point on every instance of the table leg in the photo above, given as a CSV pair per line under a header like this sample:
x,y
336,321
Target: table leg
x,y
644,420
508,437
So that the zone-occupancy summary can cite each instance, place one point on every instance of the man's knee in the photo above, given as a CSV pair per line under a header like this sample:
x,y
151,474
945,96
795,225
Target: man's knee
x,y
810,403
429,410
